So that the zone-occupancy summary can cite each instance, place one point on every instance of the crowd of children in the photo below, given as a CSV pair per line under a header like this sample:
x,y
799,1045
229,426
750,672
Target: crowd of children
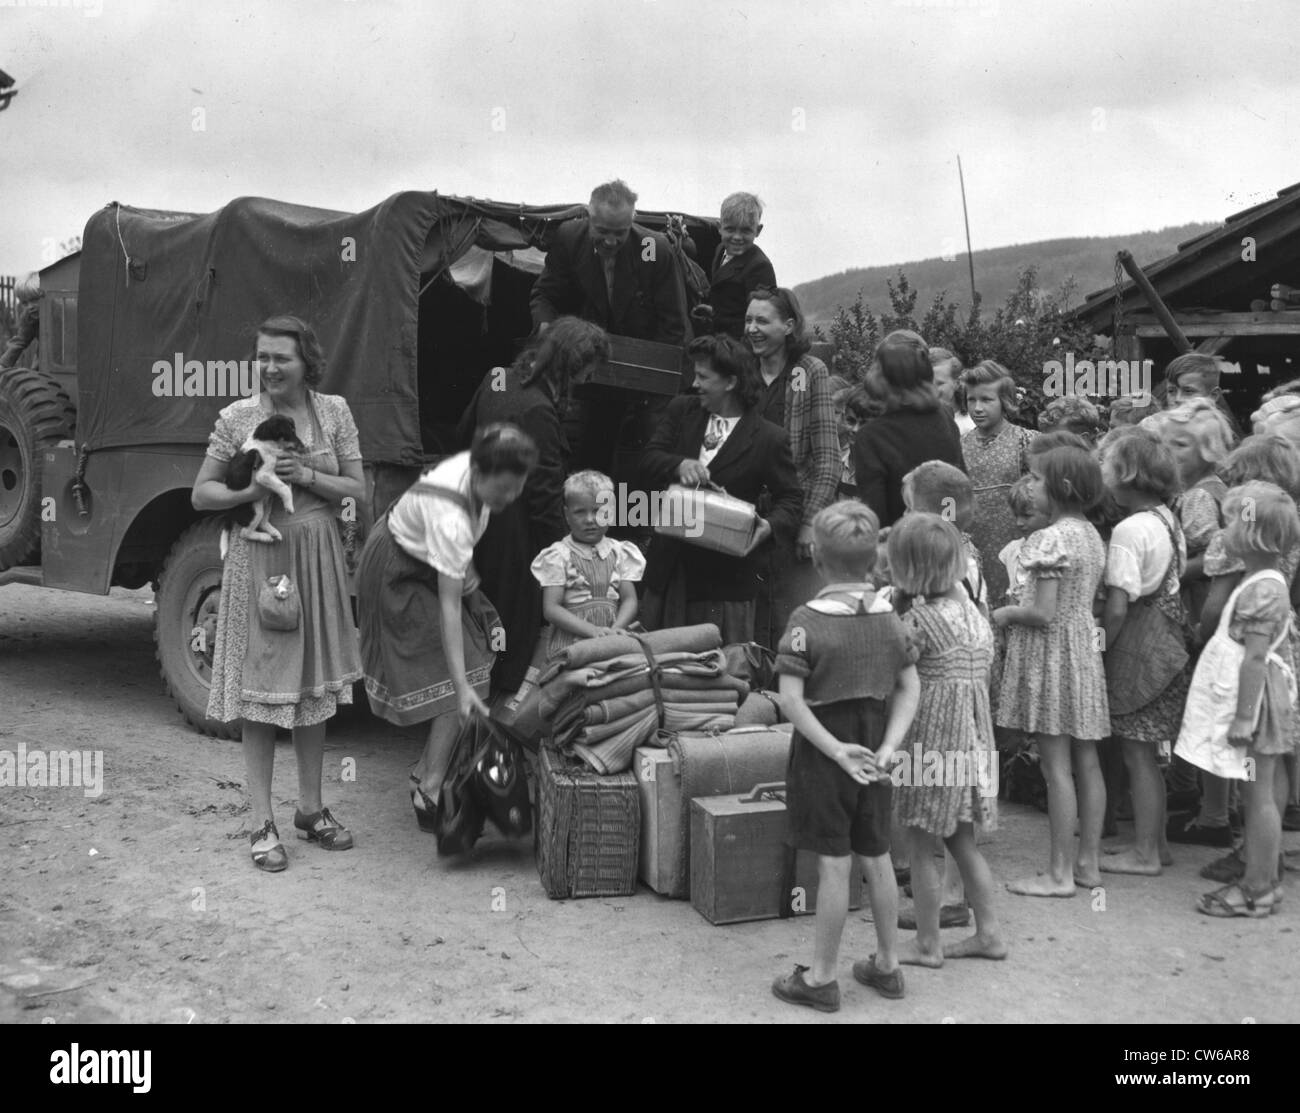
x,y
1128,595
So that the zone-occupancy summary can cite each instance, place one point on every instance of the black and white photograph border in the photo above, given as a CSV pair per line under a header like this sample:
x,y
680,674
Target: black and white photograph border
x,y
1076,192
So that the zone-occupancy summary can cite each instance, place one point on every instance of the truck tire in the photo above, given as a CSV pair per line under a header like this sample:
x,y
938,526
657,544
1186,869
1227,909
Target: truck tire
x,y
185,623
35,414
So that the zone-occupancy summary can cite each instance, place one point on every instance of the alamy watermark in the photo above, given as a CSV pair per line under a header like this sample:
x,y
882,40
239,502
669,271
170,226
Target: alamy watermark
x,y
217,378
629,507
1106,378
926,768
83,769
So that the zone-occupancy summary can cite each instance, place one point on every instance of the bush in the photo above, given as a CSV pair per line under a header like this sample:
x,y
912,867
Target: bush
x,y
1023,335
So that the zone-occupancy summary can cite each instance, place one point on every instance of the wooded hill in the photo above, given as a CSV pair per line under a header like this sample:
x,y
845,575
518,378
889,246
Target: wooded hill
x,y
1090,260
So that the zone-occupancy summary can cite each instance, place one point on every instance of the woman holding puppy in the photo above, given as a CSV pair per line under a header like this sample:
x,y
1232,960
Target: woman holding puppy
x,y
286,662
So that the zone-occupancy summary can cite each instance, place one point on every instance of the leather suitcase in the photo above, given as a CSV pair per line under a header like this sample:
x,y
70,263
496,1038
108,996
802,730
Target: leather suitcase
x,y
738,860
696,763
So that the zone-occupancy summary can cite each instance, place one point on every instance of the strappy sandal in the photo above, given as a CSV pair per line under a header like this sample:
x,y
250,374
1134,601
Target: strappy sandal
x,y
1258,906
273,859
324,829
426,809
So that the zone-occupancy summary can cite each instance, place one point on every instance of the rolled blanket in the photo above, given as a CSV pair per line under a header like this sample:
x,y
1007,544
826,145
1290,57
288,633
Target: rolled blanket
x,y
614,755
591,651
607,710
598,732
675,679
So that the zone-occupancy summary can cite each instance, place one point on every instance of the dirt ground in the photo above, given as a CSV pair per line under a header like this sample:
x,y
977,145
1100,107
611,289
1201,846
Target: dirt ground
x,y
142,905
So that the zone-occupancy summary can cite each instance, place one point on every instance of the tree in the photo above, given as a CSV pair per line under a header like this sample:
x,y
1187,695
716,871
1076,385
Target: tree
x,y
1031,329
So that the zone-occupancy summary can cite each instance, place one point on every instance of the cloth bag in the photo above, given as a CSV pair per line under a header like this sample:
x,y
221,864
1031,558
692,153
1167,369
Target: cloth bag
x,y
278,604
1151,648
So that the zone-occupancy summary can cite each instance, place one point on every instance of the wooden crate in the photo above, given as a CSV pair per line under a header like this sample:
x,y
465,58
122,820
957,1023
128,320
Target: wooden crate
x,y
588,829
642,365
738,859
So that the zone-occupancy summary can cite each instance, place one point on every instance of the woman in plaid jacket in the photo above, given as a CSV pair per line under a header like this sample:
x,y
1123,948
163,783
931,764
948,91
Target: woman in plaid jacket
x,y
797,395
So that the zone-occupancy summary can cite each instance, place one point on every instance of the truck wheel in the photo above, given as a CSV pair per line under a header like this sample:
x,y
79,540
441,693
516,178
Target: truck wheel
x,y
185,623
35,414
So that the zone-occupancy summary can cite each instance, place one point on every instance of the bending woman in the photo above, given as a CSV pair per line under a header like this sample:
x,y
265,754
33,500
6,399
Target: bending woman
x,y
428,636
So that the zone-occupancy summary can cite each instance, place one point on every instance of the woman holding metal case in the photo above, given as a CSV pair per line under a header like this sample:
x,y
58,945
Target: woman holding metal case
x,y
718,436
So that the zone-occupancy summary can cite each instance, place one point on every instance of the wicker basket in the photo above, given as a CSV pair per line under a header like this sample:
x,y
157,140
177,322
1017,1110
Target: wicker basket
x,y
588,829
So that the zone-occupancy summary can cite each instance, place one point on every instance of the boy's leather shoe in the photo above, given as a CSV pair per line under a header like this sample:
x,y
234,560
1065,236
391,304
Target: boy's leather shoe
x,y
792,988
887,985
1185,829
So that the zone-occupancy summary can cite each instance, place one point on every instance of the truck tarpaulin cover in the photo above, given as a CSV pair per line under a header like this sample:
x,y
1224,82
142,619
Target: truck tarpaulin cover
x,y
196,287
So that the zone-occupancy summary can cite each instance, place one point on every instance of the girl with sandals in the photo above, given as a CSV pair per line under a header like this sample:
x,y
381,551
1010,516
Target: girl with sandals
x,y
1240,716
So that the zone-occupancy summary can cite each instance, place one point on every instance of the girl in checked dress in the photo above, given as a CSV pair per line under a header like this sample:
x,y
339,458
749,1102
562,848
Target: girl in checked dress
x,y
928,560
1053,682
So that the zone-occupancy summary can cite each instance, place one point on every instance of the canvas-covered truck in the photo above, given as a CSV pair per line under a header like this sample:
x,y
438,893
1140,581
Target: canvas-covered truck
x,y
148,332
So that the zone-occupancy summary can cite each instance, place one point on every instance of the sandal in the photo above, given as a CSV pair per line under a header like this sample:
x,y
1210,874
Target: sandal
x,y
1252,906
273,859
426,810
324,829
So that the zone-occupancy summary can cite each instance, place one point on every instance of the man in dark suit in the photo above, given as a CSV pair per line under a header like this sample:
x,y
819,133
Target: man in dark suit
x,y
609,270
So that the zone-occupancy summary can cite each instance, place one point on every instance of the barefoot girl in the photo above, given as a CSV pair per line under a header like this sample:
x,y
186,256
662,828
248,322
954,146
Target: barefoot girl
x,y
1053,683
1145,625
928,560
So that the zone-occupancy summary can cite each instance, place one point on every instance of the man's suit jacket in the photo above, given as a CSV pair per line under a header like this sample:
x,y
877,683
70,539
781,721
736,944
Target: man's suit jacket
x,y
755,461
649,292
731,284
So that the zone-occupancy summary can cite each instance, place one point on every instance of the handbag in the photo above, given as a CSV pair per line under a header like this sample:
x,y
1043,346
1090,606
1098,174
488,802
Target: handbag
x,y
459,818
753,663
485,780
1149,651
501,783
278,604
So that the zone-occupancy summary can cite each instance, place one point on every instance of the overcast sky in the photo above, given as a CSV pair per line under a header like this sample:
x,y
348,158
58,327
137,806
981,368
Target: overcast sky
x,y
1085,117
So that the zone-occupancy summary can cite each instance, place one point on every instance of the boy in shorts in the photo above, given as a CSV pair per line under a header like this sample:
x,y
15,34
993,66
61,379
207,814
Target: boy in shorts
x,y
849,686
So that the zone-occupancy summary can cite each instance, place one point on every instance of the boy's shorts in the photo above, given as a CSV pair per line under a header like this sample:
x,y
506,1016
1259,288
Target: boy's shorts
x,y
829,812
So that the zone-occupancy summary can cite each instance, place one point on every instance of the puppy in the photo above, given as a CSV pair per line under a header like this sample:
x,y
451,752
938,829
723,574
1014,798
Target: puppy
x,y
274,438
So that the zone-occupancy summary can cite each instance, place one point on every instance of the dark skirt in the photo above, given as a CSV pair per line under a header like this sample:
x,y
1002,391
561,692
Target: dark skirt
x,y
407,678
502,557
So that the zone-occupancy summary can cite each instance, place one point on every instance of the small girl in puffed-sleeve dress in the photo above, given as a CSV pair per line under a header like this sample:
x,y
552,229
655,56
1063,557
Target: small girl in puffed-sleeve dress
x,y
588,580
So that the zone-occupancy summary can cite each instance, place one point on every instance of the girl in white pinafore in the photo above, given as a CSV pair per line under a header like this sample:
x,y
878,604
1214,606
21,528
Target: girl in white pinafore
x,y
1240,713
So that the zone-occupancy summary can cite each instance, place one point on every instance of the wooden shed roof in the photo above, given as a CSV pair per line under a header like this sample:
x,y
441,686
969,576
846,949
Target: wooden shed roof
x,y
1209,271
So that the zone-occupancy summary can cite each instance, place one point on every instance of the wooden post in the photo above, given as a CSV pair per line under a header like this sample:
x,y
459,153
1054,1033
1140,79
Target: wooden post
x,y
1161,310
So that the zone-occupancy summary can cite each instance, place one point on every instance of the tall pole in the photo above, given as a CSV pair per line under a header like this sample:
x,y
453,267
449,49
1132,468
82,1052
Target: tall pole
x,y
970,258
